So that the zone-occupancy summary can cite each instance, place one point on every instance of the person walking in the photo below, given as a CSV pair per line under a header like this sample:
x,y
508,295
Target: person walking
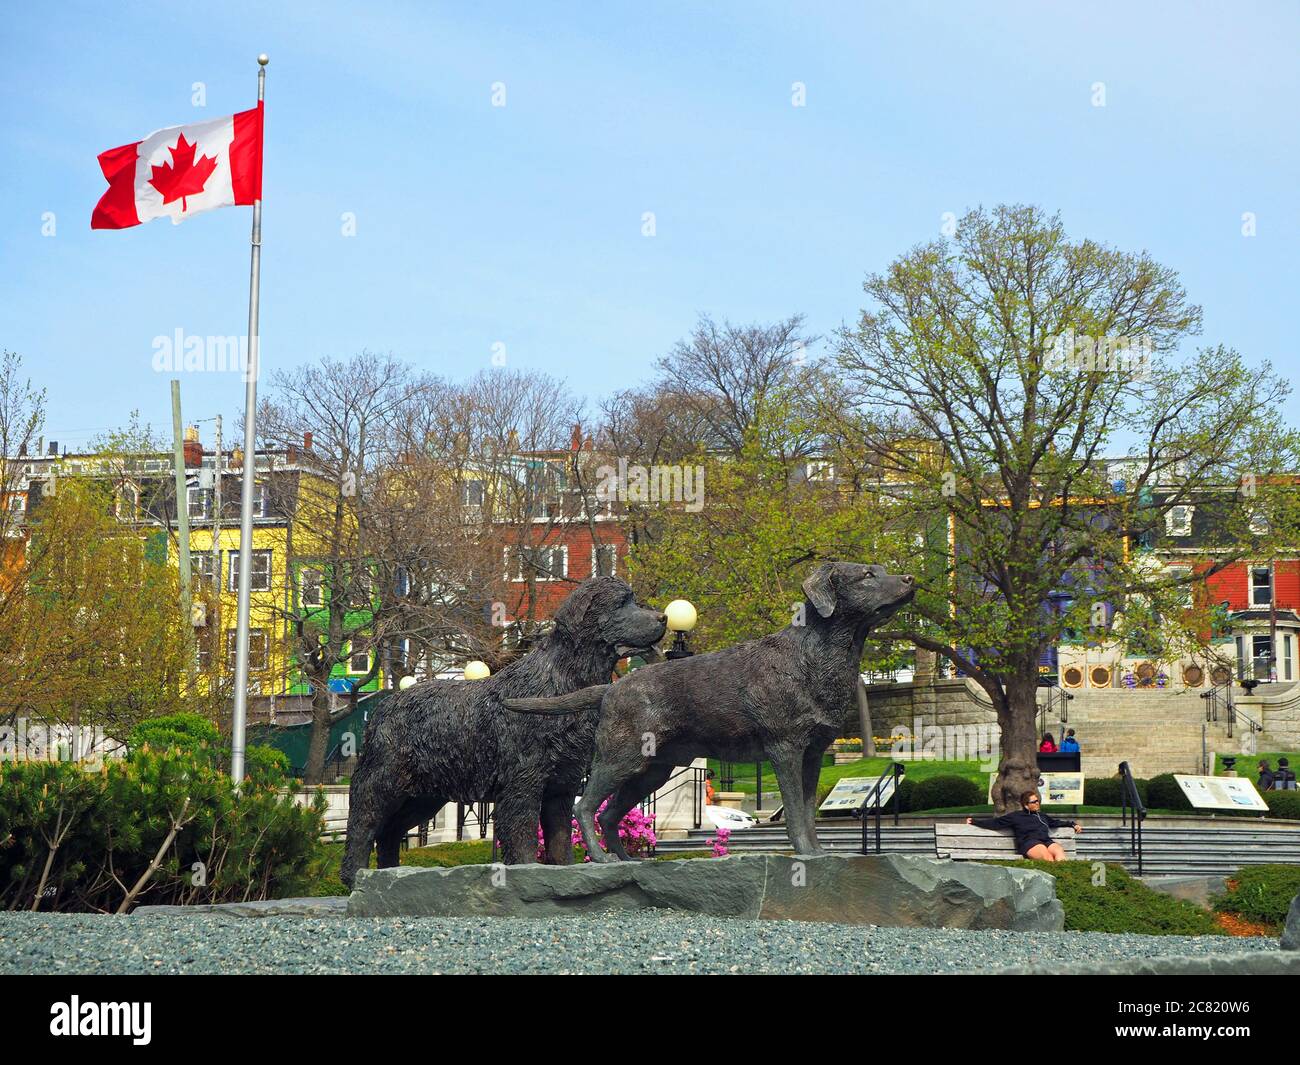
x,y
1265,776
1032,829
1069,745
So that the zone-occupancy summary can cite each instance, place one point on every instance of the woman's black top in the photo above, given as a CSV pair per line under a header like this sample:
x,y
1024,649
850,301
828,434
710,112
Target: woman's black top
x,y
1030,828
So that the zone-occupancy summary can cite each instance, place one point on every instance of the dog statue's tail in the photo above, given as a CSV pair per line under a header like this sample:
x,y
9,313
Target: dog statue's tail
x,y
582,699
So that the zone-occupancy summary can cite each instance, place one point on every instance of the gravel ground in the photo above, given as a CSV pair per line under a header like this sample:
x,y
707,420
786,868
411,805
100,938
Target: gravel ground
x,y
646,942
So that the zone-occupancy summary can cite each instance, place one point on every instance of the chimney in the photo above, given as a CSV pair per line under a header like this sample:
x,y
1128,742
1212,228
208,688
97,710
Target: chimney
x,y
575,441
306,440
54,448
191,448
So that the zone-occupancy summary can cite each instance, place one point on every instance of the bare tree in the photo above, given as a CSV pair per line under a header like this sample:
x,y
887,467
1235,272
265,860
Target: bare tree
x,y
339,416
726,373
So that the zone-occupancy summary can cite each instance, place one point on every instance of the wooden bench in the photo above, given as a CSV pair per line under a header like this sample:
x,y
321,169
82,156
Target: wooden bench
x,y
969,843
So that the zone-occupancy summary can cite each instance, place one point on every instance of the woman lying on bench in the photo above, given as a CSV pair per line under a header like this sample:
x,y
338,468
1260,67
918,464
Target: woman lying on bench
x,y
1033,829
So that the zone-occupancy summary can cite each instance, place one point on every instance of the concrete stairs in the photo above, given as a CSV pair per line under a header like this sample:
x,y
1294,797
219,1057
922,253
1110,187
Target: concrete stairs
x,y
1155,732
1206,849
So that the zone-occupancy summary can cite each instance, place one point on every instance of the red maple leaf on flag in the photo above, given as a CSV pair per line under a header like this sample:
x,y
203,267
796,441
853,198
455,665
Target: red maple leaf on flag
x,y
183,176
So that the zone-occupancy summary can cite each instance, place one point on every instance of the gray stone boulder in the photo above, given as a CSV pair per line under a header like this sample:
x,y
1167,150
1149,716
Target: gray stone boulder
x,y
327,906
1291,930
891,890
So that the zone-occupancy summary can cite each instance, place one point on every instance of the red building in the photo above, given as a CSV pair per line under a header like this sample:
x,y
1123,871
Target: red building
x,y
1262,600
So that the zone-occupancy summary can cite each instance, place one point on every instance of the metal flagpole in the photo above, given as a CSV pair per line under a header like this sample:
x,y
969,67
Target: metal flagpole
x,y
239,719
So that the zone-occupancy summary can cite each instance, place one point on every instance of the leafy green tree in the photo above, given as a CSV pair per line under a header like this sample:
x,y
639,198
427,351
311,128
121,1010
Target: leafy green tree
x,y
1031,393
769,515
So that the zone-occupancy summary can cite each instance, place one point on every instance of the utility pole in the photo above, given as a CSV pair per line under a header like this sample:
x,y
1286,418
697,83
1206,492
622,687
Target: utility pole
x,y
217,649
1272,618
183,528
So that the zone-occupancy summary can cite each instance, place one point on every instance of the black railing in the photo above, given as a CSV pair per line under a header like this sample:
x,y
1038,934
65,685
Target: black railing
x,y
331,770
1129,797
1056,704
895,770
1219,699
479,812
692,775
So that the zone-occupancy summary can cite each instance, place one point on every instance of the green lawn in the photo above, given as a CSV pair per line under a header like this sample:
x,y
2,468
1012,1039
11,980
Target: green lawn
x,y
864,767
1247,764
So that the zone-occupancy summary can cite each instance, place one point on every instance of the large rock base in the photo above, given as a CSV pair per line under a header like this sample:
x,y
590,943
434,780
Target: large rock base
x,y
891,890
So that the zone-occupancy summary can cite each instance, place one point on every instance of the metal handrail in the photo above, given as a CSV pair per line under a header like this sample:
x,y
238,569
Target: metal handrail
x,y
1054,693
650,804
897,770
1129,796
1224,691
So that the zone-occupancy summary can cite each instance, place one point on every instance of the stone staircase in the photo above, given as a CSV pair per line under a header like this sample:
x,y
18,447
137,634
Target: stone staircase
x,y
1155,732
1170,846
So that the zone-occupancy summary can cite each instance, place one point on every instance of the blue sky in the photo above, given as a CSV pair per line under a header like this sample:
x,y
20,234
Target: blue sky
x,y
522,225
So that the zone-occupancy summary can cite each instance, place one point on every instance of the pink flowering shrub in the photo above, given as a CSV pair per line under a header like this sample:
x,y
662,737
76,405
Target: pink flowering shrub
x,y
636,830
719,842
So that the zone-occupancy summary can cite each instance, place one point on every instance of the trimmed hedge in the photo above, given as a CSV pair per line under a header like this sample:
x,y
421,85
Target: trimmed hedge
x,y
1260,893
902,798
1164,793
937,793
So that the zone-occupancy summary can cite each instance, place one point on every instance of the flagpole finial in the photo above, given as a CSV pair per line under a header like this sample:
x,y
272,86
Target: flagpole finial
x,y
263,59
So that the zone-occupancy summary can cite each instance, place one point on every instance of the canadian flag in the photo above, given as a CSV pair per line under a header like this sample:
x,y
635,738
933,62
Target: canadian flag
x,y
178,172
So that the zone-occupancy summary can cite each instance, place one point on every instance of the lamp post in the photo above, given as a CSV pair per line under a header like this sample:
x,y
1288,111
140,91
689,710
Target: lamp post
x,y
681,617
476,670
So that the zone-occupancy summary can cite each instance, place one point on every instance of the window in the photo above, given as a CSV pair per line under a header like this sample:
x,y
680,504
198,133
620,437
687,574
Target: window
x,y
471,493
259,499
543,563
1287,649
1261,585
310,588
261,580
401,582
819,470
128,502
604,559
1178,521
198,502
205,568
1258,524
1182,591
203,654
359,662
257,649
1261,650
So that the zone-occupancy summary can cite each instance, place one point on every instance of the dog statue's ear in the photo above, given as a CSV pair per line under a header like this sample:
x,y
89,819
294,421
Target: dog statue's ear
x,y
819,589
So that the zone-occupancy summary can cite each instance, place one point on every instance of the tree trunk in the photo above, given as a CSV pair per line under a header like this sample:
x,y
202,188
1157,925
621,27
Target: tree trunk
x,y
318,746
864,720
1018,720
